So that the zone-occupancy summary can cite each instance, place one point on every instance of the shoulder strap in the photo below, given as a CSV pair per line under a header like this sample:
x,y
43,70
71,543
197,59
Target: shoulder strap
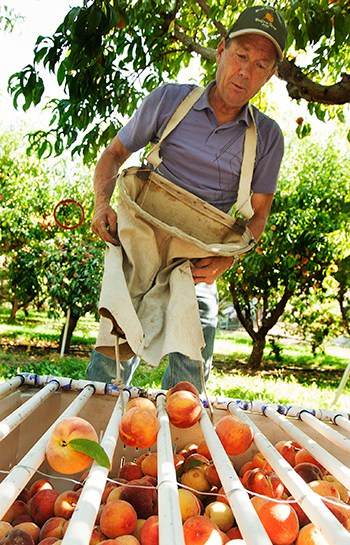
x,y
185,106
243,205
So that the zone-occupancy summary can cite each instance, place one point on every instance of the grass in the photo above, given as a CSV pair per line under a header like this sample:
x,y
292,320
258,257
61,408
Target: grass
x,y
296,377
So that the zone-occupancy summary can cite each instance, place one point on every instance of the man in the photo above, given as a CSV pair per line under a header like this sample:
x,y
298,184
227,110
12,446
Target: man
x,y
203,155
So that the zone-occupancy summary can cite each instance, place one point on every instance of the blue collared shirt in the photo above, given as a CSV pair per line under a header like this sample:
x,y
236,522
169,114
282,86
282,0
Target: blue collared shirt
x,y
200,155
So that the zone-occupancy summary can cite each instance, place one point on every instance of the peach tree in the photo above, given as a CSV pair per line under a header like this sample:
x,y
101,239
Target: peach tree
x,y
298,249
107,54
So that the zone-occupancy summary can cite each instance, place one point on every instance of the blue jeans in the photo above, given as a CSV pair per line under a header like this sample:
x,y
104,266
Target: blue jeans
x,y
179,367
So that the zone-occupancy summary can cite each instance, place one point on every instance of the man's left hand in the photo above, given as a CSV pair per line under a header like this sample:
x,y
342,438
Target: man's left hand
x,y
209,269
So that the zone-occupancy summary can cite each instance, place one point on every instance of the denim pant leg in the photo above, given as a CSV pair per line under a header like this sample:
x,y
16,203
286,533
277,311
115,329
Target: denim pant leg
x,y
180,367
104,369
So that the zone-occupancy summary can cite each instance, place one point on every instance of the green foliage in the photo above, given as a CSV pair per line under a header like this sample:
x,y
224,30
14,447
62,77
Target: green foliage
x,y
297,250
107,55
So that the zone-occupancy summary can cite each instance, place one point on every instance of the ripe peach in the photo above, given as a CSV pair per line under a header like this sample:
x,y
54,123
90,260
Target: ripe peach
x,y
344,492
245,467
200,530
39,484
189,504
178,460
149,465
203,449
195,460
280,522
258,502
24,495
188,449
340,510
304,455
31,528
17,509
138,428
259,460
65,504
310,535
195,479
236,436
130,471
324,488
221,496
118,518
302,516
212,475
109,486
42,505
128,540
308,471
234,533
114,494
221,514
142,403
288,450
182,385
97,535
149,534
137,531
58,453
4,527
50,541
184,408
17,537
142,496
53,527
263,482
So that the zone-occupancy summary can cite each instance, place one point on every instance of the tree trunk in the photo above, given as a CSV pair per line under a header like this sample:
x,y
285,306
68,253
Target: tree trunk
x,y
14,309
257,352
73,320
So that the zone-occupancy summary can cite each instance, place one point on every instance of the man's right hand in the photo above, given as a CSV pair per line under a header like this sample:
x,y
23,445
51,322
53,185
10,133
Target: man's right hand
x,y
105,224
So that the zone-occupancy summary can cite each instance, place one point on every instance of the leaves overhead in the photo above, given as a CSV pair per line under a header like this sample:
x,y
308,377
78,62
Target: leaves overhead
x,y
106,55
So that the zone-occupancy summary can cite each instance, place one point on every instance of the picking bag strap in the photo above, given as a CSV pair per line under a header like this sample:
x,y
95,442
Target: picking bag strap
x,y
243,205
153,157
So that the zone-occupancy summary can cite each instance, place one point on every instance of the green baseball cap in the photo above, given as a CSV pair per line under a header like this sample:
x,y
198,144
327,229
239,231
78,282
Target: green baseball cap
x,y
263,20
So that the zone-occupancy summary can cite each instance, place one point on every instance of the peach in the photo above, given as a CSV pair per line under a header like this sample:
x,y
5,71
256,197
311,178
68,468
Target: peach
x,y
50,541
130,471
263,482
184,409
97,535
178,460
128,540
195,479
302,516
114,494
304,455
149,465
17,537
344,492
288,450
310,535
138,428
236,436
221,514
137,531
259,460
141,403
280,522
31,528
258,502
180,386
308,471
245,467
24,495
65,504
53,527
17,509
60,456
195,460
212,475
203,449
340,510
42,505
200,530
324,488
234,533
188,449
39,484
149,534
118,518
109,486
189,504
221,496
4,527
142,496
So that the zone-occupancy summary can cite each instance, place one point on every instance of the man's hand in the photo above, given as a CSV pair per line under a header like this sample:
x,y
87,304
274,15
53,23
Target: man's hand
x,y
104,224
210,269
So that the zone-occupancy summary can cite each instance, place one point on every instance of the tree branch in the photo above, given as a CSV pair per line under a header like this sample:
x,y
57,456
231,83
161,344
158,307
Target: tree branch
x,y
205,52
206,9
300,86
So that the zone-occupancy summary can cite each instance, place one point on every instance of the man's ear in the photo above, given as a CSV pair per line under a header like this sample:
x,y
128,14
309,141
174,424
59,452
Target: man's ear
x,y
272,73
220,49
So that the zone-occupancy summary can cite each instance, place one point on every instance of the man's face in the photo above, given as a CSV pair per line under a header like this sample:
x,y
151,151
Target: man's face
x,y
243,68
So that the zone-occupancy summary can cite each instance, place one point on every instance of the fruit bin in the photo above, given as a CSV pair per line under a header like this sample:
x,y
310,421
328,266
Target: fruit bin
x,y
30,405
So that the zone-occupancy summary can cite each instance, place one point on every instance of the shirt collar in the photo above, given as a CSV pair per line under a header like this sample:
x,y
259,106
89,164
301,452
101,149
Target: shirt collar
x,y
203,103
